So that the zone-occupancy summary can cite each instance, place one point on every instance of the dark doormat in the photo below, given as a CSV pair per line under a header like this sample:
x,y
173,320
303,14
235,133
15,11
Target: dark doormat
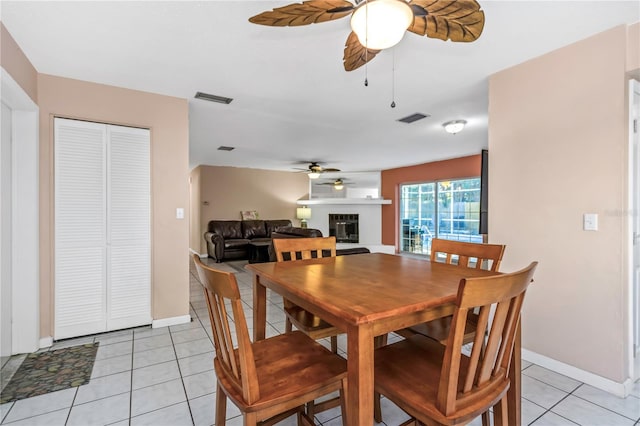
x,y
51,371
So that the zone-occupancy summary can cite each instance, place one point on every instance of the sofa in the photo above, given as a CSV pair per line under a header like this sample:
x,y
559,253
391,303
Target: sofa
x,y
229,239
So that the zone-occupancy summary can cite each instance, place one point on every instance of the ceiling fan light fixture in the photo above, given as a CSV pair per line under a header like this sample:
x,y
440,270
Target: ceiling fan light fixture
x,y
454,126
338,186
313,175
381,24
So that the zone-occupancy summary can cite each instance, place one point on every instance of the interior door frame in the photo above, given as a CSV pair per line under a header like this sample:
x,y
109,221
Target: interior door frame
x,y
633,197
25,245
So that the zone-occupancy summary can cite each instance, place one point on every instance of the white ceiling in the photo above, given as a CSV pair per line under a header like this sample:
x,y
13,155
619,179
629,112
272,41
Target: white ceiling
x,y
293,101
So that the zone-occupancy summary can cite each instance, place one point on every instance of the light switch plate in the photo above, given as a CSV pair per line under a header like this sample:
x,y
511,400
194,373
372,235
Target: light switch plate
x,y
590,222
179,213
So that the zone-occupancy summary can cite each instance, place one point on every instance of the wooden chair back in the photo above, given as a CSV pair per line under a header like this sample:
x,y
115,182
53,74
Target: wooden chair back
x,y
238,365
487,256
287,248
483,376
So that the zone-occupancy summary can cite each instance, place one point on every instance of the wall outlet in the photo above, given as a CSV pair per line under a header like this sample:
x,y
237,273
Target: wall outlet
x,y
590,222
179,213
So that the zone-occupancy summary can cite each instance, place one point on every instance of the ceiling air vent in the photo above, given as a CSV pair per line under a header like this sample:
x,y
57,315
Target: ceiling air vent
x,y
413,117
226,148
213,98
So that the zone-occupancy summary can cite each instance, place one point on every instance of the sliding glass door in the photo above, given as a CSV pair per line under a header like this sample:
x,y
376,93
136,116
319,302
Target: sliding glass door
x,y
443,209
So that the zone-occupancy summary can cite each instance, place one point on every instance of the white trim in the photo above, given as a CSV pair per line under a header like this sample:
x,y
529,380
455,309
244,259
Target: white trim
x,y
25,230
318,201
621,390
630,296
201,255
165,322
45,342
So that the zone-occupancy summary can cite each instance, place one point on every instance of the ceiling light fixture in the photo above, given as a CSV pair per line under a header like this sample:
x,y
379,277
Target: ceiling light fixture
x,y
381,24
313,175
338,185
454,126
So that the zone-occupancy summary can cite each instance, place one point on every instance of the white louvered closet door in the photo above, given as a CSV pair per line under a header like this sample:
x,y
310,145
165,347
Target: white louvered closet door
x,y
102,222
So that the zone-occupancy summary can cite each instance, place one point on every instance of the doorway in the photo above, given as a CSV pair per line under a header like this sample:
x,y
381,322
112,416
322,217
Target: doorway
x,y
634,225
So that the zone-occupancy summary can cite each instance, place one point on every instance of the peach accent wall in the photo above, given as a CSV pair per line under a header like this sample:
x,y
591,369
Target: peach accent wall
x,y
558,149
14,61
228,190
457,168
168,119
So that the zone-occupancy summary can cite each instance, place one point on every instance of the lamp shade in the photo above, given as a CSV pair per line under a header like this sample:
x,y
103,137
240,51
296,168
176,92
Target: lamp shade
x,y
303,213
380,24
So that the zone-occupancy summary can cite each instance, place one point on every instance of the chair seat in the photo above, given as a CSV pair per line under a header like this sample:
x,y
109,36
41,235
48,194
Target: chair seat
x,y
310,324
438,329
289,367
408,373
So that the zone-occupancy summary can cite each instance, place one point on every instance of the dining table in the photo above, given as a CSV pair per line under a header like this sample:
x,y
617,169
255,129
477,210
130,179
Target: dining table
x,y
368,295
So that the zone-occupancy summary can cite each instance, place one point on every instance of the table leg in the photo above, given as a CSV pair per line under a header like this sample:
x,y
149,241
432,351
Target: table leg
x,y
515,376
259,309
360,375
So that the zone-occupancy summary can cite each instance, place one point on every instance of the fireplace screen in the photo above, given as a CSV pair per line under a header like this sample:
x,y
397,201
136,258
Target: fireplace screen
x,y
344,227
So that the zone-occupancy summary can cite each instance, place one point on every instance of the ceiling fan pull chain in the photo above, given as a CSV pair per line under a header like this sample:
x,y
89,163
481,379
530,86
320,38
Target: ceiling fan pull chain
x,y
393,79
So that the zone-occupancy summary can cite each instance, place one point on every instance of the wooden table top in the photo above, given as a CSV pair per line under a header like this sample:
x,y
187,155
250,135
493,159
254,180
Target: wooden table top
x,y
365,288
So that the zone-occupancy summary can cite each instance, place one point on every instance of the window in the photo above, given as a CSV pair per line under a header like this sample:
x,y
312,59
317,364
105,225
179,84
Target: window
x,y
448,209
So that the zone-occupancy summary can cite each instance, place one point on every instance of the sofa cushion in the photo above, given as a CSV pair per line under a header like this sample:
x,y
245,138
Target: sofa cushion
x,y
293,231
272,225
253,229
226,228
261,240
235,243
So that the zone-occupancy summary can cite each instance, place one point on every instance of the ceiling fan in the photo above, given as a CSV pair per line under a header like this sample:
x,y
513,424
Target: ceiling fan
x,y
338,184
315,169
458,21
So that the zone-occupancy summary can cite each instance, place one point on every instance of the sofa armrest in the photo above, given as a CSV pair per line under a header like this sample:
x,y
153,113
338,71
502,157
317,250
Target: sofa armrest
x,y
215,245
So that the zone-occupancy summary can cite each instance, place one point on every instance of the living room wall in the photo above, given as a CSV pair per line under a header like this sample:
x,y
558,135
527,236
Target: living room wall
x,y
558,144
456,168
225,191
168,119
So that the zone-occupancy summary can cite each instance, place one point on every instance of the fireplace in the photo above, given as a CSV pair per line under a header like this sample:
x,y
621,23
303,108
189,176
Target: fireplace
x,y
344,227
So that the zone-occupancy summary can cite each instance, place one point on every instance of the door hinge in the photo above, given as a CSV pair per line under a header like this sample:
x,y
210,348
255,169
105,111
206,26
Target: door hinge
x,y
635,125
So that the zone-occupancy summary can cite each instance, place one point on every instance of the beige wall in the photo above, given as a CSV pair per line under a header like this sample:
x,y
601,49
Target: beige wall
x,y
558,149
167,117
195,204
16,63
633,49
228,190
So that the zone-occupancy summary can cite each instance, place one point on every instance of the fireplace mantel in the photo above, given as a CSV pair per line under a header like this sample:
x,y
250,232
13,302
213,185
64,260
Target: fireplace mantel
x,y
328,201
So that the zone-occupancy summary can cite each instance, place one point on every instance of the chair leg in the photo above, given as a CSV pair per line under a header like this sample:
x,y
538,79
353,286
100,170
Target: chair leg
x,y
250,419
500,413
486,421
377,409
288,327
311,408
334,344
343,401
221,407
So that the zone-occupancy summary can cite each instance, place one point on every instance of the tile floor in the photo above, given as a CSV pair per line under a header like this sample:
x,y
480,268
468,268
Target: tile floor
x,y
165,377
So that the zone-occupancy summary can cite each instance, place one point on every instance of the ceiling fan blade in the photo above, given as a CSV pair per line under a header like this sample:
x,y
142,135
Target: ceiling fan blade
x,y
460,20
330,170
305,13
355,54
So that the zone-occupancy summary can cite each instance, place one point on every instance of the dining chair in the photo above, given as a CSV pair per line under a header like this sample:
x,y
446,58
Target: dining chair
x,y
263,379
437,384
288,249
466,255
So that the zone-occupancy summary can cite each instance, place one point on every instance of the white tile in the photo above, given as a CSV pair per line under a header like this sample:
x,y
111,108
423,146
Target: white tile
x,y
109,366
196,364
628,407
100,412
154,342
41,404
185,326
552,378
530,411
146,332
200,384
635,390
4,409
391,413
153,356
541,393
55,418
193,348
174,415
188,335
103,387
588,414
71,342
203,410
114,350
552,419
158,396
115,337
154,374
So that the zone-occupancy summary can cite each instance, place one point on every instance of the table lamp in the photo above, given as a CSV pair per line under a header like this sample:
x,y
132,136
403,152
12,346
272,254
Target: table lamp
x,y
303,213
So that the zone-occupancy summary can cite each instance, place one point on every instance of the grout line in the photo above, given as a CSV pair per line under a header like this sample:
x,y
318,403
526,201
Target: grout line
x,y
133,338
184,388
75,395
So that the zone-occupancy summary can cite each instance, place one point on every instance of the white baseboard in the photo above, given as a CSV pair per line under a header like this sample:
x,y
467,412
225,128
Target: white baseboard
x,y
202,255
165,322
45,342
621,390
